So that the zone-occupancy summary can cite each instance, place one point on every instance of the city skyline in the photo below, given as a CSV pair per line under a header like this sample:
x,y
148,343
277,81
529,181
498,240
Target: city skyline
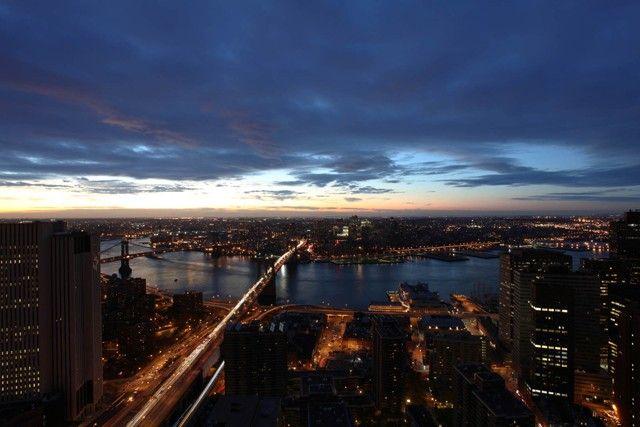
x,y
274,109
320,321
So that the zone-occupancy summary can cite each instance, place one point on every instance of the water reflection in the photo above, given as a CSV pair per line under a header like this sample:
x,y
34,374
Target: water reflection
x,y
351,285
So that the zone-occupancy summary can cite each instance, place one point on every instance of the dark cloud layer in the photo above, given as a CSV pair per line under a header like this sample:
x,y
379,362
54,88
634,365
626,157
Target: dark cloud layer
x,y
602,196
329,90
524,175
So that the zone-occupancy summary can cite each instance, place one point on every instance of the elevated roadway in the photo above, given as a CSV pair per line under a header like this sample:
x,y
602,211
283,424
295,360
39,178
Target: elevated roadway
x,y
160,405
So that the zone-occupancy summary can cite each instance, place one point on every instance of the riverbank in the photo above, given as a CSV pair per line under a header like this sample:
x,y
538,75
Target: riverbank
x,y
382,260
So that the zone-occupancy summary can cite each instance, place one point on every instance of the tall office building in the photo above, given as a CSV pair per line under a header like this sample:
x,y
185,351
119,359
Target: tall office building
x,y
611,273
587,332
481,399
551,372
126,316
447,350
624,365
624,241
625,236
620,270
522,291
77,343
566,335
590,380
255,359
511,261
50,325
389,365
587,327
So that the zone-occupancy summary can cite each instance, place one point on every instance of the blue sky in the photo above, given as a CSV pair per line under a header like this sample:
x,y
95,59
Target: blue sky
x,y
114,108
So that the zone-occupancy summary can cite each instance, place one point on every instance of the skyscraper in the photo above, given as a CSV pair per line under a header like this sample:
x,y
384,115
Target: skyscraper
x,y
511,261
77,343
447,350
611,273
255,359
566,334
551,371
50,321
625,236
624,365
522,290
389,365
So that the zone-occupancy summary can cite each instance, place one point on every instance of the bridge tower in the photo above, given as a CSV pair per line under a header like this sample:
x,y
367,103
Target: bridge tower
x,y
268,294
125,269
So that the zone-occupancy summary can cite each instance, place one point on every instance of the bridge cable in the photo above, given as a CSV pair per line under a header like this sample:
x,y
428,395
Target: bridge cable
x,y
109,248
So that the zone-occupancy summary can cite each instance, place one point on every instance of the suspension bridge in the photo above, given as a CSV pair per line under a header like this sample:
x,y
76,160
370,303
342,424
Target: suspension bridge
x,y
126,254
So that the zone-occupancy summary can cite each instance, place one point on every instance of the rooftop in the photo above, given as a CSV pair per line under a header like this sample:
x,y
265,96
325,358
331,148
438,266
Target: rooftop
x,y
441,322
489,389
250,411
328,414
263,327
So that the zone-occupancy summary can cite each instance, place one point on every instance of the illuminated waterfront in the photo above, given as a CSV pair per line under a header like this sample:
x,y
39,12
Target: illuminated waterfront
x,y
353,286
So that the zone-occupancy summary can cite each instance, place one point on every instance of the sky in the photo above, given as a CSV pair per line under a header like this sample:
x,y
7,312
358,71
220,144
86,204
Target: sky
x,y
172,108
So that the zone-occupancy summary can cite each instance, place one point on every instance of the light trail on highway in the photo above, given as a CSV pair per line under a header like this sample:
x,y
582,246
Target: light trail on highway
x,y
190,360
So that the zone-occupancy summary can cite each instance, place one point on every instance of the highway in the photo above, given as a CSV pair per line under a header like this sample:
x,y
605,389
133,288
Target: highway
x,y
150,413
136,390
306,308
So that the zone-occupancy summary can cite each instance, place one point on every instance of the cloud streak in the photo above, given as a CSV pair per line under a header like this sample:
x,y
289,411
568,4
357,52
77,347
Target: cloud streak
x,y
22,78
602,196
514,175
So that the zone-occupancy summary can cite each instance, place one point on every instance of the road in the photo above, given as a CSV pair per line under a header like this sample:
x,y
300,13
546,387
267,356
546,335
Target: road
x,y
330,339
173,387
346,311
470,308
134,392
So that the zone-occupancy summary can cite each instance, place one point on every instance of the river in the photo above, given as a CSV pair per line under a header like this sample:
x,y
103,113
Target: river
x,y
353,286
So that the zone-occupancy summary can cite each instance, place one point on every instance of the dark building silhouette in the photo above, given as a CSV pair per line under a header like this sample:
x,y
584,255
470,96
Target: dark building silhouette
x,y
245,411
611,273
511,261
566,337
522,323
389,365
624,236
327,412
624,241
255,359
617,274
624,364
187,305
446,351
50,325
551,371
586,326
481,399
127,314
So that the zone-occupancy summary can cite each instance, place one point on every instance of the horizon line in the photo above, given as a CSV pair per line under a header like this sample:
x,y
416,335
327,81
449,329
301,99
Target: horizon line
x,y
184,213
